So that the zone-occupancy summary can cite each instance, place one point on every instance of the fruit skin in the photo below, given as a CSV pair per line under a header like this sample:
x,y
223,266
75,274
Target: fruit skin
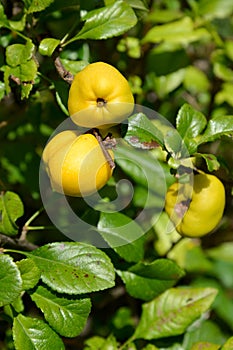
x,y
204,210
99,97
76,164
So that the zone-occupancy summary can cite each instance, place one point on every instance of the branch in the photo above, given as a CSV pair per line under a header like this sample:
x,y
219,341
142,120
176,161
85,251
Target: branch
x,y
17,243
64,74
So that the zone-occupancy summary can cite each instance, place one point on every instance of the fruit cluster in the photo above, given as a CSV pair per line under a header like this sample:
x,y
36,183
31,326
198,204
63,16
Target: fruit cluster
x,y
78,164
99,97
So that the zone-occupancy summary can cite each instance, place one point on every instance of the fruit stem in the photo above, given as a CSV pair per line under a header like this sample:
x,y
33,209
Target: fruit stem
x,y
104,150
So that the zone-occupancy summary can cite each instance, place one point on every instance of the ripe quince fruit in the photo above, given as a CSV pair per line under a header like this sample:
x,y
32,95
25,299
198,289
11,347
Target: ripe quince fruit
x,y
196,210
99,97
76,164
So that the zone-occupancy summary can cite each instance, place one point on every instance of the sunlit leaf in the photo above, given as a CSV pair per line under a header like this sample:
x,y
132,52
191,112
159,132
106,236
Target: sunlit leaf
x,y
172,312
181,31
215,8
190,123
225,94
73,267
32,333
205,345
48,46
142,133
216,127
2,90
137,4
36,6
3,17
66,316
211,161
228,345
195,80
107,22
99,343
10,280
29,272
17,54
11,208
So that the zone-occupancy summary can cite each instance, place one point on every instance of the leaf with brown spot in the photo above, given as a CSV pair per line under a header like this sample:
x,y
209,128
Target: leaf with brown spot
x,y
173,311
73,267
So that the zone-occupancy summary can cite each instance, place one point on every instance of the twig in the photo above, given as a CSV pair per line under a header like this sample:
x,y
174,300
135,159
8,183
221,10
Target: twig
x,y
17,243
64,74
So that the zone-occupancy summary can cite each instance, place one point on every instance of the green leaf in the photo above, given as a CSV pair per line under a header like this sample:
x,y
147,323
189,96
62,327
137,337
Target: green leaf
x,y
223,301
151,347
30,273
229,49
225,94
172,312
33,334
122,234
228,345
195,259
143,168
217,127
66,316
3,17
28,71
195,80
181,31
10,280
18,25
142,133
2,90
155,278
211,161
165,84
74,66
73,267
18,305
94,343
137,4
215,8
222,252
17,54
223,72
99,343
21,65
207,331
190,123
163,16
11,208
36,6
107,22
175,145
205,345
164,241
48,46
